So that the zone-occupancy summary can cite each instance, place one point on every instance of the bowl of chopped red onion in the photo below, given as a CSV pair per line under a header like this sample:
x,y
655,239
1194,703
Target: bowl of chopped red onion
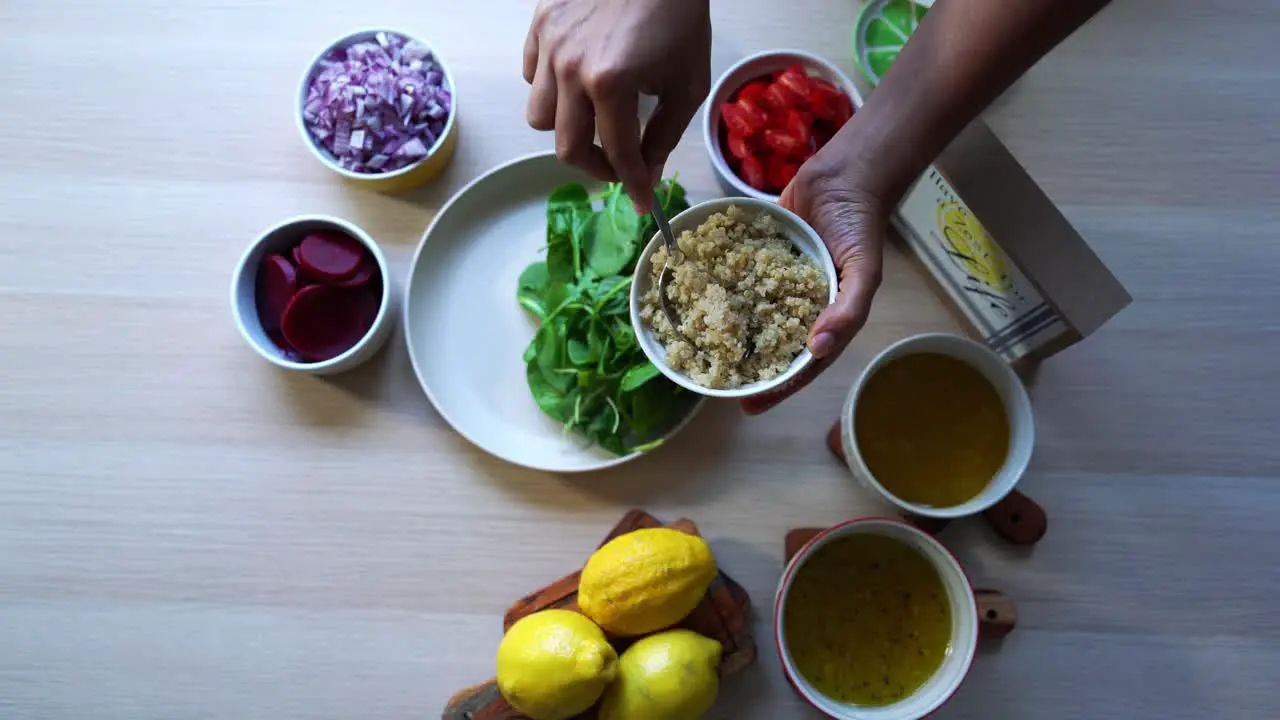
x,y
378,108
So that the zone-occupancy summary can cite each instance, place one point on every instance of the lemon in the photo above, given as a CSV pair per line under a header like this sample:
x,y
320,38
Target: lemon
x,y
971,247
554,664
645,580
669,676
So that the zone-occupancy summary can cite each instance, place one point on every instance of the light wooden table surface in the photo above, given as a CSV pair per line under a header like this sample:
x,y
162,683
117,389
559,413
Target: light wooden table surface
x,y
187,533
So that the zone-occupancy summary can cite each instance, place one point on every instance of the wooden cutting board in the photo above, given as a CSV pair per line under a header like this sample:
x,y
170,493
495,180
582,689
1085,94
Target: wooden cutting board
x,y
722,615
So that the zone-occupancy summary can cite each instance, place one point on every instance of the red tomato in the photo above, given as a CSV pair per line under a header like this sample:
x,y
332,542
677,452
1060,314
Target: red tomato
x,y
844,111
738,145
754,114
778,98
736,120
798,128
753,92
796,81
753,173
784,142
780,170
824,98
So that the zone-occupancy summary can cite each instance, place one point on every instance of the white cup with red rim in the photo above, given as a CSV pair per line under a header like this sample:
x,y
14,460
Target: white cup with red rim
x,y
1013,396
964,625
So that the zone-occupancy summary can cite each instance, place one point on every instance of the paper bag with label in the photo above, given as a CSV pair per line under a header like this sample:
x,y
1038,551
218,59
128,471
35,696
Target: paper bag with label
x,y
1023,279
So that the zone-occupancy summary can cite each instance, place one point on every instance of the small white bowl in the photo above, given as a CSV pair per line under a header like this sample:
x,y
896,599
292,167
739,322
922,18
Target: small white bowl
x,y
409,176
944,682
244,306
746,70
1017,407
796,230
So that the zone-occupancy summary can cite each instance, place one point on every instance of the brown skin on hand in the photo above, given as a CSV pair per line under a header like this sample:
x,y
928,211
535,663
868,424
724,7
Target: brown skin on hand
x,y
962,57
588,62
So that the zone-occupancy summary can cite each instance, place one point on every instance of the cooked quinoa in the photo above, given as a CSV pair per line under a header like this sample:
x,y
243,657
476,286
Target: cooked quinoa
x,y
746,298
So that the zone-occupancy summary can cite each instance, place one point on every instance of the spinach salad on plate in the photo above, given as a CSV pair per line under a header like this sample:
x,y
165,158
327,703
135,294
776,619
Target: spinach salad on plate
x,y
584,366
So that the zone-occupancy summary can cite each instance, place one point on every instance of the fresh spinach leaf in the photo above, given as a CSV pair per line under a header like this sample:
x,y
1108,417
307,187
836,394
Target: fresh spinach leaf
x,y
639,375
580,352
583,366
531,288
546,396
615,235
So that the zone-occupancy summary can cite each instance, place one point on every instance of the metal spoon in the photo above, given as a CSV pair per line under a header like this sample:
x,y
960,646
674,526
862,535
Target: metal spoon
x,y
667,274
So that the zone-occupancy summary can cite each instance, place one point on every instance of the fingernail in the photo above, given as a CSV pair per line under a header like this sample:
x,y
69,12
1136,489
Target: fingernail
x,y
822,345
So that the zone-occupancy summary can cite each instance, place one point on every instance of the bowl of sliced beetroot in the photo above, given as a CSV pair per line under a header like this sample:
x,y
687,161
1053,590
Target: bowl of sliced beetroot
x,y
313,294
771,112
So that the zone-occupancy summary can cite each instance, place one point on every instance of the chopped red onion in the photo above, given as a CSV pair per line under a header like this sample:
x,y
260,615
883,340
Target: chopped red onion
x,y
377,106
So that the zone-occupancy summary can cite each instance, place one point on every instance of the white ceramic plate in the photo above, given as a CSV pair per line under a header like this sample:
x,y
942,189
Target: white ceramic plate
x,y
465,331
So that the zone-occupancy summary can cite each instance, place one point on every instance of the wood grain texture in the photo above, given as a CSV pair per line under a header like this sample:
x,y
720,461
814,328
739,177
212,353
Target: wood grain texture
x,y
187,533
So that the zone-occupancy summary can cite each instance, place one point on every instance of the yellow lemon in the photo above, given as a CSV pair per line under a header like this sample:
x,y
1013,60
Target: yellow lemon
x,y
645,580
669,676
554,664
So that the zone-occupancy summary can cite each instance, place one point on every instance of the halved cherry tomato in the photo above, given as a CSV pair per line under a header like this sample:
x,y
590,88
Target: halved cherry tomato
x,y
819,84
777,97
796,81
738,145
779,171
753,92
784,142
754,114
753,173
844,111
737,121
824,98
798,128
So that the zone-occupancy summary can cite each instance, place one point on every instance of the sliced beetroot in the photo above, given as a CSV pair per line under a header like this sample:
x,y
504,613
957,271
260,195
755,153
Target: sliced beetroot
x,y
294,254
369,300
277,339
275,285
330,256
323,321
363,274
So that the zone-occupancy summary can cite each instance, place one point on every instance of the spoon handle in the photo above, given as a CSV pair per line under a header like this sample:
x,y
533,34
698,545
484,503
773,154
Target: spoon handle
x,y
661,218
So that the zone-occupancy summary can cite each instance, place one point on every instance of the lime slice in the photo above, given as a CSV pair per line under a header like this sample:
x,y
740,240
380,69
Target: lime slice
x,y
881,30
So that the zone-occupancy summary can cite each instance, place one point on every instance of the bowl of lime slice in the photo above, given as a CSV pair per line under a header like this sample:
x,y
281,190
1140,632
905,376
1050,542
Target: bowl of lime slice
x,y
882,28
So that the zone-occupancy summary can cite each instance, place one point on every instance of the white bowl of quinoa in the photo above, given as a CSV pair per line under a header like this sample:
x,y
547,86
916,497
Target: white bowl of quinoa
x,y
750,280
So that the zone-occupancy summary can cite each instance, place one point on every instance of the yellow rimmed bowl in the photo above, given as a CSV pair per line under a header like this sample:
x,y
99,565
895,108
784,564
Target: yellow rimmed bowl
x,y
410,176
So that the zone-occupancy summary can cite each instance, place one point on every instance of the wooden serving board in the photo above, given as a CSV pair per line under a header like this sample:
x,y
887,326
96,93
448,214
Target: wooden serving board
x,y
723,615
997,614
1017,518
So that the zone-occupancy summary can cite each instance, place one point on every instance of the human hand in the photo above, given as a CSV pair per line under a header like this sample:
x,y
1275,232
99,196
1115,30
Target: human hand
x,y
588,61
830,193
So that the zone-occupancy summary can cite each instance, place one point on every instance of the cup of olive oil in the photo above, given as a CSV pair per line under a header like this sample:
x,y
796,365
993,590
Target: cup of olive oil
x,y
938,425
875,620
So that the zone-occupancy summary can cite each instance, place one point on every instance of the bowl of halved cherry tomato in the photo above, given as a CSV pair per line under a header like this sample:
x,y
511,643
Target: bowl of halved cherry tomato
x,y
771,112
